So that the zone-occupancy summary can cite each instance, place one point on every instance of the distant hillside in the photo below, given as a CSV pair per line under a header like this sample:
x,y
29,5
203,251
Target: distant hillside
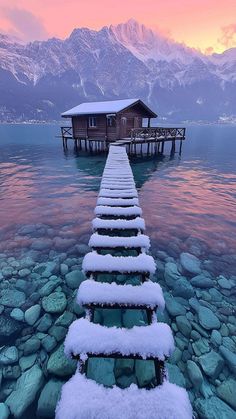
x,y
41,79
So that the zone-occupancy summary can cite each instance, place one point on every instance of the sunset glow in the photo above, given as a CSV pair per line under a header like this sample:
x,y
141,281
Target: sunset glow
x,y
204,24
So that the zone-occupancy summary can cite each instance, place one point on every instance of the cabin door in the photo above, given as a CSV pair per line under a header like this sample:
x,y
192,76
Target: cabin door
x,y
123,127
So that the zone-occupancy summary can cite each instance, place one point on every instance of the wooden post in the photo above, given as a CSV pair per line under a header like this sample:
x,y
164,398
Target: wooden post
x,y
173,147
162,147
180,147
149,122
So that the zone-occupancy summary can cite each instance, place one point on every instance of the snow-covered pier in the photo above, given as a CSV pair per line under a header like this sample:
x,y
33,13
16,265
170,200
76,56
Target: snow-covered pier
x,y
120,253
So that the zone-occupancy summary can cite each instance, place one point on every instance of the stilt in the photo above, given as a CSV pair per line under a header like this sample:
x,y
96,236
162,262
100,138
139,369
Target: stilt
x,y
162,147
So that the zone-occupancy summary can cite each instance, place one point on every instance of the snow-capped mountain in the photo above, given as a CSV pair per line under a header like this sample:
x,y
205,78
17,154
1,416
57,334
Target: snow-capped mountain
x,y
39,80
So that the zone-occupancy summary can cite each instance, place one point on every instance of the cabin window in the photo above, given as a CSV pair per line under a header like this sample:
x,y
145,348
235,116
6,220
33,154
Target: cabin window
x,y
92,122
110,121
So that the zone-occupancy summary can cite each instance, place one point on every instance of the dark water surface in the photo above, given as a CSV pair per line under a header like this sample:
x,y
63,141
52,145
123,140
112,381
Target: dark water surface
x,y
47,198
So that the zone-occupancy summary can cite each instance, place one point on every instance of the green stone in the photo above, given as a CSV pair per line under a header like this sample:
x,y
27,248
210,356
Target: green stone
x,y
55,302
102,371
59,365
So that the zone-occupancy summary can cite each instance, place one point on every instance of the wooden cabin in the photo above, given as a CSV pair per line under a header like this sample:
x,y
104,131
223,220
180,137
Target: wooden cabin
x,y
109,120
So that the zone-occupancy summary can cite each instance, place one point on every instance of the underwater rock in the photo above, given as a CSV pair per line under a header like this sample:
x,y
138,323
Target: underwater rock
x,y
7,271
9,328
183,325
64,269
125,381
58,332
230,358
212,364
55,302
102,371
48,398
41,244
171,274
145,372
49,343
225,283
208,319
31,345
63,244
194,374
59,365
9,355
4,411
17,314
211,408
201,346
49,287
175,375
44,323
27,362
226,391
183,288
27,387
32,314
216,338
202,281
24,272
190,263
124,366
132,318
11,372
12,298
74,279
65,319
173,307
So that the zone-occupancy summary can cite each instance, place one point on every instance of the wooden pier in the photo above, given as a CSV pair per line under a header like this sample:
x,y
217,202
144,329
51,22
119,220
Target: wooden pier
x,y
119,248
140,141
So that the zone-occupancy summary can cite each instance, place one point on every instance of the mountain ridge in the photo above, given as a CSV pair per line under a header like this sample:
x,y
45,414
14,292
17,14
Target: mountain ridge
x,y
118,61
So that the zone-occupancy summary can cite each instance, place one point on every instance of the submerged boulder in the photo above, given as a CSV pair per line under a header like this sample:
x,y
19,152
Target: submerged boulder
x,y
213,408
102,371
48,398
208,319
226,391
55,302
27,387
190,263
59,365
212,364
12,298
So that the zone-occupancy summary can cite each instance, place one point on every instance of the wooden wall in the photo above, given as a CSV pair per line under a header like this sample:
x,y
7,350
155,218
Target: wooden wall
x,y
133,119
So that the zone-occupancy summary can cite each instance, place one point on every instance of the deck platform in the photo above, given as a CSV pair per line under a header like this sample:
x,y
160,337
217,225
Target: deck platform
x,y
141,141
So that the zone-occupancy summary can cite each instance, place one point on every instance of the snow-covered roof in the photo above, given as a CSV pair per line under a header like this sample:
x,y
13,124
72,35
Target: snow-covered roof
x,y
106,107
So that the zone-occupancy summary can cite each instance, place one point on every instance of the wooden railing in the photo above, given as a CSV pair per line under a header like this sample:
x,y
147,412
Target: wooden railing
x,y
66,132
157,133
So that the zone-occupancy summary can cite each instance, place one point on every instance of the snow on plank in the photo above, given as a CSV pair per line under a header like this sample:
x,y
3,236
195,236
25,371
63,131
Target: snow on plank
x,y
84,398
117,193
93,262
136,224
148,294
151,341
100,241
118,202
125,211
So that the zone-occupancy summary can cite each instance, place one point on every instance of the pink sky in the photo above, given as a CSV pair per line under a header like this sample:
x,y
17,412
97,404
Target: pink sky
x,y
204,24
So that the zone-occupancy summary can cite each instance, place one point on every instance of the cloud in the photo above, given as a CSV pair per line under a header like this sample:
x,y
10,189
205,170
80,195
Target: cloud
x,y
228,36
25,24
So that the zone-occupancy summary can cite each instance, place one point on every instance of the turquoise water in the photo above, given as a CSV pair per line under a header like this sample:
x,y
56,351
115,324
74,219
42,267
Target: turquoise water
x,y
47,198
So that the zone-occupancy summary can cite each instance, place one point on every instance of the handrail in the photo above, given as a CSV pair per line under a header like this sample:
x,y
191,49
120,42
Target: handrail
x,y
66,131
157,132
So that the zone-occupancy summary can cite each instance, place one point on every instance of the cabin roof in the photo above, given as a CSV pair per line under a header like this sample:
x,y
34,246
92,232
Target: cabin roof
x,y
106,107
